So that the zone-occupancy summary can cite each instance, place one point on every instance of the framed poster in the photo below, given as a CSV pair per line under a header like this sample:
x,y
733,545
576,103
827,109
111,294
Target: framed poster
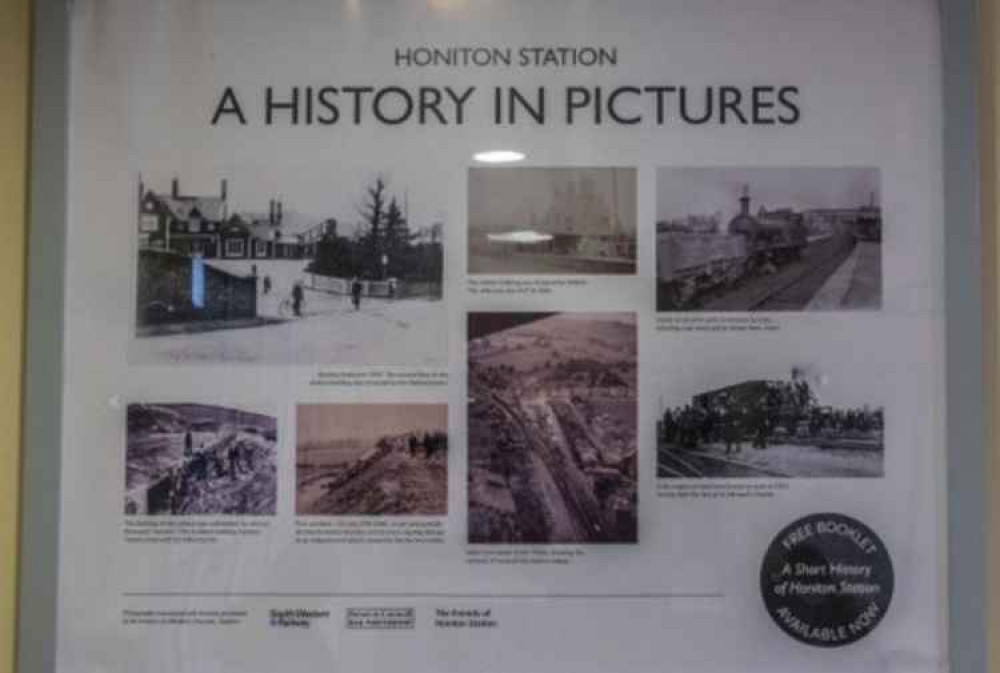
x,y
424,335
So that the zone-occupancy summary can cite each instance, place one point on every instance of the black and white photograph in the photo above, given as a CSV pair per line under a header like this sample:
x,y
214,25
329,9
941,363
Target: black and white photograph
x,y
552,221
552,428
371,459
768,239
194,459
763,419
227,273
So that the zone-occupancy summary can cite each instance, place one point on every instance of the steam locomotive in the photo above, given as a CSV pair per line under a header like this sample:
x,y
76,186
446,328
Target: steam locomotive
x,y
691,263
868,225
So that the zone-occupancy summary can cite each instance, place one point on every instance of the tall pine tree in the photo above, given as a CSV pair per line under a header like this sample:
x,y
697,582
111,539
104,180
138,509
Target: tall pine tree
x,y
397,236
373,215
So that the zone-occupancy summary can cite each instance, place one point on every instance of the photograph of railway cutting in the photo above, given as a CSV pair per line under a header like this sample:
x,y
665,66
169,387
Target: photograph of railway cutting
x,y
188,459
768,239
552,427
798,422
552,221
372,459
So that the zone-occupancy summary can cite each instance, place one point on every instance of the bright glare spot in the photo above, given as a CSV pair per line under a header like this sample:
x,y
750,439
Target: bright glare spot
x,y
498,157
447,5
520,237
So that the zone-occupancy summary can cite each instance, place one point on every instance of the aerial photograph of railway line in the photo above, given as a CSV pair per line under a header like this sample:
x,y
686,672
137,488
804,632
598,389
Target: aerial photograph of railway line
x,y
552,428
552,221
191,459
372,459
768,239
768,423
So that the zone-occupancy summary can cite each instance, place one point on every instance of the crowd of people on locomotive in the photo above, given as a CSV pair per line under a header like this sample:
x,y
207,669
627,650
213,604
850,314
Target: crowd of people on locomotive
x,y
774,408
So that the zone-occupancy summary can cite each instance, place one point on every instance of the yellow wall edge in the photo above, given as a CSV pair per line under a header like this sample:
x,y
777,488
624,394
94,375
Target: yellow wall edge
x,y
15,66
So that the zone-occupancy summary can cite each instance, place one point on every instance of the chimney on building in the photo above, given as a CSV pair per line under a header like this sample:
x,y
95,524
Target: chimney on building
x,y
270,212
279,212
745,200
224,189
175,188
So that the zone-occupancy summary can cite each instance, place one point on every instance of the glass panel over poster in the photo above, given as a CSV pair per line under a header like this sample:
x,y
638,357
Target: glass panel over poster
x,y
421,335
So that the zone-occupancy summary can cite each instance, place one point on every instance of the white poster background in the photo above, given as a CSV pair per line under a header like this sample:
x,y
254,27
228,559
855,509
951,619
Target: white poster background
x,y
145,79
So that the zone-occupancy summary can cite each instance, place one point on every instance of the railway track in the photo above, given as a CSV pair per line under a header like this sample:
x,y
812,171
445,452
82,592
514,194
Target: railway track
x,y
588,519
698,465
796,292
790,288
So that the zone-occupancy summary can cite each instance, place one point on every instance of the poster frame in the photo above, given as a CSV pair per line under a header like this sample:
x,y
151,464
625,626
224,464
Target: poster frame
x,y
966,376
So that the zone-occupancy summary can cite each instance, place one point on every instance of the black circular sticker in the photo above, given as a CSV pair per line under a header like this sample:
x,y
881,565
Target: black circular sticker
x,y
827,580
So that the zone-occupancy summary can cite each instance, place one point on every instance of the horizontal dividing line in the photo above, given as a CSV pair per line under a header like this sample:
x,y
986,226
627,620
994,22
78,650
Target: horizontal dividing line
x,y
358,594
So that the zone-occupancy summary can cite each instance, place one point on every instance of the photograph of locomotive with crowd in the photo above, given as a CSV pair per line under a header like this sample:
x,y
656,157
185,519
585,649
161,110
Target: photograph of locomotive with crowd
x,y
188,459
768,239
801,422
232,277
552,421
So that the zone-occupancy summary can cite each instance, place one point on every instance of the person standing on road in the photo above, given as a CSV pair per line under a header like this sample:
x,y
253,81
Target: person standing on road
x,y
356,293
758,424
731,429
297,297
267,284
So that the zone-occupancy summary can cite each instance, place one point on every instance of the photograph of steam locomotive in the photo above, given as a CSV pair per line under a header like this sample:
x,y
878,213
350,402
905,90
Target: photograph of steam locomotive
x,y
552,428
768,239
191,459
552,221
800,423
372,459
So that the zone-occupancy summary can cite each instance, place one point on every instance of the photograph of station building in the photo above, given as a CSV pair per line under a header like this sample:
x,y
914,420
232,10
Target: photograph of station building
x,y
552,221
190,224
218,280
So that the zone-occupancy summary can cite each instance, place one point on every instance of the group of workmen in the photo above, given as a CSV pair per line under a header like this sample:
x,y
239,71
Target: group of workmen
x,y
733,420
203,463
432,444
427,445
846,421
693,425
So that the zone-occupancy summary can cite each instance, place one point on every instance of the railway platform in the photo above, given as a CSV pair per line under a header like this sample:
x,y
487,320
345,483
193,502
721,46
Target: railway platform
x,y
833,274
786,459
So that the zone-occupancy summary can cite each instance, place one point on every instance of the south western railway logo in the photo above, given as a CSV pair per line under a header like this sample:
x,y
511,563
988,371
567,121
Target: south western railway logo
x,y
296,618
